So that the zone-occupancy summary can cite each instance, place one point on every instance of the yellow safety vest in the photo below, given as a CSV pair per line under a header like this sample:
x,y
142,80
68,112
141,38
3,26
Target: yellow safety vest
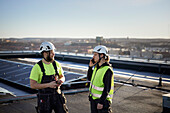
x,y
97,86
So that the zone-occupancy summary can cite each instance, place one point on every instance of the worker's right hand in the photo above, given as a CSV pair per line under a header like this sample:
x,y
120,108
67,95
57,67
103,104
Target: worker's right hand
x,y
52,84
91,64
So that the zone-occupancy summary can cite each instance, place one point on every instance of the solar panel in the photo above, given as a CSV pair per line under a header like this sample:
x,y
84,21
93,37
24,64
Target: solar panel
x,y
19,73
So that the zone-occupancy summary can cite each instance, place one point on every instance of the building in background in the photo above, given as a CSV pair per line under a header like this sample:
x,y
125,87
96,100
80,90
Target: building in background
x,y
99,39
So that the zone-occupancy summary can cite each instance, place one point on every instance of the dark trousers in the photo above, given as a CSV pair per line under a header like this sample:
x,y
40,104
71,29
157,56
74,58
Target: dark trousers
x,y
106,106
49,102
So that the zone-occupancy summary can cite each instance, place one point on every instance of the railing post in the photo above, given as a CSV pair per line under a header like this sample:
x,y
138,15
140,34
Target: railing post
x,y
63,57
160,77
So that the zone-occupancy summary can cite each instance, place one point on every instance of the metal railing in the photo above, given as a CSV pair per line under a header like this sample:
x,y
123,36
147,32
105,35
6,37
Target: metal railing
x,y
116,57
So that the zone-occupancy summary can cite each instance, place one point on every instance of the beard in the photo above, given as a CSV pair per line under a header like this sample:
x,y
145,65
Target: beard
x,y
48,58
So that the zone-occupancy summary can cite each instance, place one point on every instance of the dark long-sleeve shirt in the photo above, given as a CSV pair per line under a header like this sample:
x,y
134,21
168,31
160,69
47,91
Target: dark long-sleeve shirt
x,y
106,80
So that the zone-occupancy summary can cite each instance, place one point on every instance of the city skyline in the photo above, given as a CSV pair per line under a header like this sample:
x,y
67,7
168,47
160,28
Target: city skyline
x,y
85,19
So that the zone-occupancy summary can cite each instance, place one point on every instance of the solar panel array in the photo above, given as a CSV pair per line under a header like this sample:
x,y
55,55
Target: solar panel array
x,y
19,73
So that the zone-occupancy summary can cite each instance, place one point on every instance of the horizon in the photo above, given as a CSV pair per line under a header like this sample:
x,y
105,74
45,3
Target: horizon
x,y
146,19
84,38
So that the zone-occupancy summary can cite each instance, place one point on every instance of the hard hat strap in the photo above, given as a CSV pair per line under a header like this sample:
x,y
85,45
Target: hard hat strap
x,y
99,57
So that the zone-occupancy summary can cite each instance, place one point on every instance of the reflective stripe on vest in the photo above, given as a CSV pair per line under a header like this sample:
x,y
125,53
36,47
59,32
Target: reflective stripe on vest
x,y
99,88
99,95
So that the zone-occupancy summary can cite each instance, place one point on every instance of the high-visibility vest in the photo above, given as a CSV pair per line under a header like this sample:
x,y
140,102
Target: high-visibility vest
x,y
48,79
97,86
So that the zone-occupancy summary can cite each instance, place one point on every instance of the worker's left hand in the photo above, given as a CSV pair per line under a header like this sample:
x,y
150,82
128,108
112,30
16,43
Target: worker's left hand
x,y
99,106
59,83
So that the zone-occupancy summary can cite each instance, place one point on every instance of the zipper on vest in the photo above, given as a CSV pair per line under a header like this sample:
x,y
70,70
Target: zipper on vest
x,y
93,79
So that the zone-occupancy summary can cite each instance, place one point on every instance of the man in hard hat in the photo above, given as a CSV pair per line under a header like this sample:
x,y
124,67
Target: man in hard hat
x,y
101,81
47,76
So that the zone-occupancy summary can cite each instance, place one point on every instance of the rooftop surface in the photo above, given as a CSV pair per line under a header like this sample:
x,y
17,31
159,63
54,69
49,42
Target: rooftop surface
x,y
128,99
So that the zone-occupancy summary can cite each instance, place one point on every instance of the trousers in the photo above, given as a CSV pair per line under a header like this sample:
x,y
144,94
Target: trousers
x,y
49,102
106,106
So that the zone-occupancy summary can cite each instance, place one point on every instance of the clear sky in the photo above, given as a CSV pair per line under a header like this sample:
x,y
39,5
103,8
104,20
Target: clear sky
x,y
85,18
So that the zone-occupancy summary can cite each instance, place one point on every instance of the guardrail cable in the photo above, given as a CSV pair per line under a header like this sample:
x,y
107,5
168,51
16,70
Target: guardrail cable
x,y
127,80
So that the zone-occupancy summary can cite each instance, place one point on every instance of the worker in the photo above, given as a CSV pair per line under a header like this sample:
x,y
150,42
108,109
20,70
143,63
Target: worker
x,y
100,75
47,76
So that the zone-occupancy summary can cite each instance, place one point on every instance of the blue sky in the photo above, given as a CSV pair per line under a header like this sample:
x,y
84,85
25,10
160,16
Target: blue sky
x,y
85,18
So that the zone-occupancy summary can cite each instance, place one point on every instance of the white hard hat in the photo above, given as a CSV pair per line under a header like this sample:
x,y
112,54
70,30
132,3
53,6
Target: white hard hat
x,y
101,49
46,46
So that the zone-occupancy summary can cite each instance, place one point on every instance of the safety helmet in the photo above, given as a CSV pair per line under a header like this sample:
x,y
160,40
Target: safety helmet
x,y
101,49
46,46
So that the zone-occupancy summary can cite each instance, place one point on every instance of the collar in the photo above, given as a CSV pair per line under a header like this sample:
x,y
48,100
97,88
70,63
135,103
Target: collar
x,y
104,64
